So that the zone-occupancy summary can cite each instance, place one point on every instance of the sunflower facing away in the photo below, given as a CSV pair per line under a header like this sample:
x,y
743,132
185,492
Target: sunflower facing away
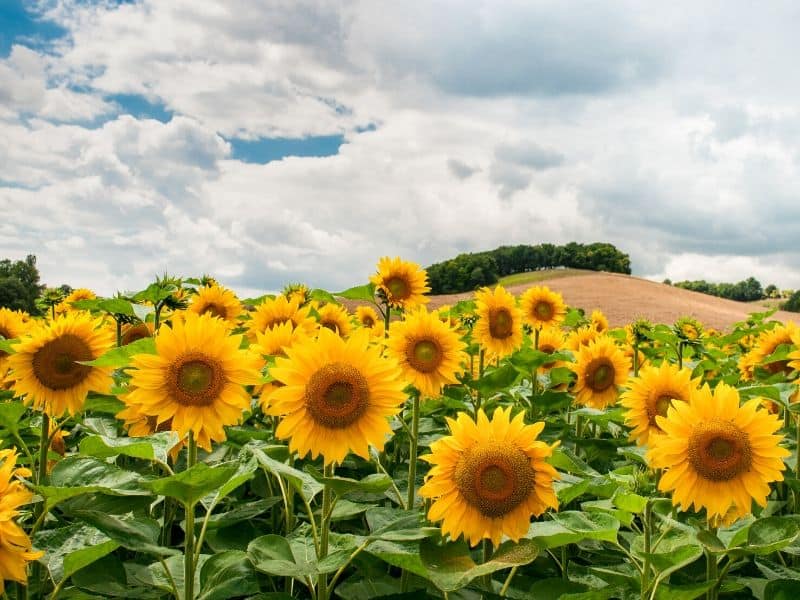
x,y
601,367
765,345
429,353
403,283
195,380
276,311
15,546
216,301
716,454
651,394
583,336
45,368
599,321
12,326
337,396
499,326
334,317
542,307
135,332
488,478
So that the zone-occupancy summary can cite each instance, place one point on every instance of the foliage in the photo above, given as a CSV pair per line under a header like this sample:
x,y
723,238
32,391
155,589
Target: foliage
x,y
793,303
19,284
744,291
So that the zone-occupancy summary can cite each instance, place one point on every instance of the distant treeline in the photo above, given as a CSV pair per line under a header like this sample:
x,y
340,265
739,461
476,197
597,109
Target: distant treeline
x,y
744,291
467,272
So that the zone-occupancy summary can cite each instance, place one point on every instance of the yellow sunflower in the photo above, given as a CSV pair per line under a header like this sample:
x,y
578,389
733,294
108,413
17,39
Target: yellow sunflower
x,y
337,396
716,454
369,319
583,336
429,353
688,328
542,307
196,378
650,395
551,339
447,315
275,340
601,367
765,345
794,357
80,294
45,369
216,301
276,311
135,332
139,424
599,321
12,326
15,546
334,317
403,283
499,326
297,291
488,478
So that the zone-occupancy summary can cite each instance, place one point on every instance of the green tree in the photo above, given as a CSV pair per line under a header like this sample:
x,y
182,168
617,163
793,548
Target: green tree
x,y
19,284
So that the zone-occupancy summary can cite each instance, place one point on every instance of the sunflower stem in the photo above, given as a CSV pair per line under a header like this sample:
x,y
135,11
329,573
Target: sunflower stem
x,y
487,554
536,338
119,332
647,526
188,558
635,359
712,573
507,582
412,453
44,443
325,522
386,315
481,358
680,355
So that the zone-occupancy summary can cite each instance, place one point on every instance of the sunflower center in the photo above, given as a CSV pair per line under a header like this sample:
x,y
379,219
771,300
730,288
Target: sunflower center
x,y
55,364
494,478
600,375
781,366
544,310
719,451
425,355
368,321
501,324
398,287
276,321
196,379
337,395
331,324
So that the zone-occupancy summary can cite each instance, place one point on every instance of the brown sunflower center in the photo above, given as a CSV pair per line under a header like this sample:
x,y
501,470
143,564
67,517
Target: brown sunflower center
x,y
398,287
600,374
55,364
275,322
501,324
543,310
337,395
196,379
494,478
137,332
719,450
780,366
367,321
215,310
424,355
331,324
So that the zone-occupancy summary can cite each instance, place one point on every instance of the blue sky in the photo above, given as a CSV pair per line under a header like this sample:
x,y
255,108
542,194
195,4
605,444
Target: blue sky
x,y
268,142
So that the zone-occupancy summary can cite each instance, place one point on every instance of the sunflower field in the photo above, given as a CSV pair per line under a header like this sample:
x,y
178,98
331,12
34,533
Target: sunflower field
x,y
179,442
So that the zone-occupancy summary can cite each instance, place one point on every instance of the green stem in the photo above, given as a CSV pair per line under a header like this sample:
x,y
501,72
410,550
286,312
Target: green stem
x,y
507,582
386,315
680,355
635,359
325,522
44,445
119,333
564,559
487,554
412,454
536,338
170,578
712,573
647,523
481,358
341,569
188,558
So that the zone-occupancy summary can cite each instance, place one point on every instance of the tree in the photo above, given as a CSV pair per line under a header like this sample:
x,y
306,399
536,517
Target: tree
x,y
19,284
771,291
793,303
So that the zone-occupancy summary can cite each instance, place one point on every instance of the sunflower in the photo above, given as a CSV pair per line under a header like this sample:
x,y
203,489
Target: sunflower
x,y
488,478
765,345
195,380
45,368
139,424
80,294
366,316
276,311
12,326
135,332
578,338
297,291
216,301
600,368
551,339
337,396
542,307
499,326
334,317
429,353
448,315
599,322
402,283
15,546
716,454
275,340
688,328
650,395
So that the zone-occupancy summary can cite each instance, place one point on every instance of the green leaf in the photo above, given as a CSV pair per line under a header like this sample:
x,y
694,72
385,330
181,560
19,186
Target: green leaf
x,y
549,534
565,459
191,485
139,534
121,357
594,526
69,549
771,534
102,403
107,577
345,509
683,592
359,292
227,575
11,415
74,476
153,447
397,525
554,588
495,379
450,565
245,470
375,483
303,483
629,501
273,555
404,555
7,346
154,575
782,589
323,296
243,512
676,558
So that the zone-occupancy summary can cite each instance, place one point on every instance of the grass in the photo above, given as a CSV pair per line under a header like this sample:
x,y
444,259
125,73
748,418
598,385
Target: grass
x,y
534,276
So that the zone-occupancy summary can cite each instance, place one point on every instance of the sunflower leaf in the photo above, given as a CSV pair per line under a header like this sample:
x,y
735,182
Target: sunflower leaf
x,y
359,292
69,549
139,534
771,534
121,357
191,485
153,447
303,483
227,575
374,483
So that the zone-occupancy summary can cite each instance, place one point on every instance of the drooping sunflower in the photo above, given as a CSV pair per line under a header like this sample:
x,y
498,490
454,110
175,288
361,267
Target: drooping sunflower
x,y
429,353
601,367
716,454
765,345
196,379
15,546
599,321
402,283
12,326
136,331
489,477
499,326
217,301
688,328
276,311
334,317
337,396
543,307
651,394
46,369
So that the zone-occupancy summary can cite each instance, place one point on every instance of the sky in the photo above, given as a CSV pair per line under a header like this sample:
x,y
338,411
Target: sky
x,y
299,141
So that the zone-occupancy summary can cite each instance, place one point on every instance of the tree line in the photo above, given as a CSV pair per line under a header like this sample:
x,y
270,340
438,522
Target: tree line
x,y
469,271
744,291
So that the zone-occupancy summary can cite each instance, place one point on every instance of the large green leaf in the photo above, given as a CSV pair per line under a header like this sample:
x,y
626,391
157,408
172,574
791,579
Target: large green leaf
x,y
397,525
404,555
77,475
359,292
69,549
191,485
450,565
154,576
495,379
782,589
11,414
272,554
245,470
303,483
683,592
107,577
153,447
121,357
227,575
242,512
594,526
374,483
771,534
139,534
550,534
